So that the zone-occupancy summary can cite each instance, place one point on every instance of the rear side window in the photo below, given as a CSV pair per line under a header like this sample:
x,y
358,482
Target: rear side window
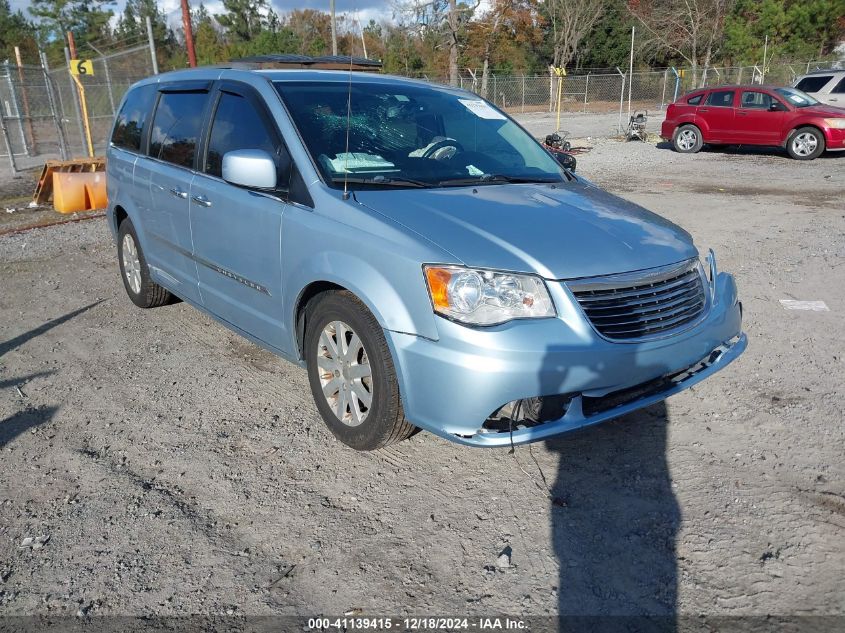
x,y
754,99
176,127
840,87
237,125
814,83
721,98
133,116
694,100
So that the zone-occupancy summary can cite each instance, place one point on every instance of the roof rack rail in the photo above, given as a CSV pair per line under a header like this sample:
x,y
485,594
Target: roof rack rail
x,y
323,62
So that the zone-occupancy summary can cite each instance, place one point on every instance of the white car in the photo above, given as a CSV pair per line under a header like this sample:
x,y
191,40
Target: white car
x,y
828,86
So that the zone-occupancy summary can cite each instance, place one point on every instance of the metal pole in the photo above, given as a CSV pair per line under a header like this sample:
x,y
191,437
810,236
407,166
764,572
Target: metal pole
x,y
522,109
621,97
631,71
765,50
53,113
334,28
586,89
6,140
189,34
26,112
75,99
152,42
663,96
677,83
107,76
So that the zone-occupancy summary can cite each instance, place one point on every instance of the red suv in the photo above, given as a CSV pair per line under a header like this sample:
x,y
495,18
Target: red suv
x,y
754,115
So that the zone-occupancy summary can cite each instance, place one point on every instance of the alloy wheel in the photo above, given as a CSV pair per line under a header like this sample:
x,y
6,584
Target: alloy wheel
x,y
131,263
687,139
805,144
345,373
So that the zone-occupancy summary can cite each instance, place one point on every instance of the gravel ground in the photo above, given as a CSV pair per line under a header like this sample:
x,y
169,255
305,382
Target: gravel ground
x,y
179,469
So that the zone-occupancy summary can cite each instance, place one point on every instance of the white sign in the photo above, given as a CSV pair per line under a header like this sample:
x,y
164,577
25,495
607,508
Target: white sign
x,y
482,109
815,306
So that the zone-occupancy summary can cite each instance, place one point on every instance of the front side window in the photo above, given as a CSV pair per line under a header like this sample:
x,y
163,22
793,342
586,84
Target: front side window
x,y
796,97
758,100
130,122
721,98
176,127
237,125
410,135
814,83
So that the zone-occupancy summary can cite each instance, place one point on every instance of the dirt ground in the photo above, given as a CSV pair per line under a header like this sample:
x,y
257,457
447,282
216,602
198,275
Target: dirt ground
x,y
178,469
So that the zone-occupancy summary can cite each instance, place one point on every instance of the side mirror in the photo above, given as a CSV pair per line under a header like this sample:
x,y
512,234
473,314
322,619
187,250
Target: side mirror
x,y
776,106
249,168
566,160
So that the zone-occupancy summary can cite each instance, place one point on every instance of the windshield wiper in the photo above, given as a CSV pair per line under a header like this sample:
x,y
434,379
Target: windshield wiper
x,y
381,181
493,179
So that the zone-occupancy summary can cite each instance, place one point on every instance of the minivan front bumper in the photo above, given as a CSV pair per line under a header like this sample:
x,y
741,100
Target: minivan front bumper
x,y
451,386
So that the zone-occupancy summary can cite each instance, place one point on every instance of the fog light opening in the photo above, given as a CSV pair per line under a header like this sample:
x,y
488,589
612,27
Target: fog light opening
x,y
527,413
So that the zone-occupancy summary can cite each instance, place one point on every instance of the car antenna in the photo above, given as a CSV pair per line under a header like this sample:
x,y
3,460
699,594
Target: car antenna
x,y
348,121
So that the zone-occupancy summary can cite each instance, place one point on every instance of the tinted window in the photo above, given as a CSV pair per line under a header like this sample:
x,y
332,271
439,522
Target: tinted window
x,y
721,98
840,87
130,122
694,100
176,127
814,83
237,125
755,99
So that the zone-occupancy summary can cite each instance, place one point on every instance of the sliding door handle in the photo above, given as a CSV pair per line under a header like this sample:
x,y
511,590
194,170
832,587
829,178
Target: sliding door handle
x,y
201,200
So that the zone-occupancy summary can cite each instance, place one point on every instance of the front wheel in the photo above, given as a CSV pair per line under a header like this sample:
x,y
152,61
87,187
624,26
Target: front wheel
x,y
687,139
351,373
142,290
806,143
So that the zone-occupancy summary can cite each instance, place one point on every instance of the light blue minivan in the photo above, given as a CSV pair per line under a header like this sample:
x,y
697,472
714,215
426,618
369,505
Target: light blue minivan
x,y
427,260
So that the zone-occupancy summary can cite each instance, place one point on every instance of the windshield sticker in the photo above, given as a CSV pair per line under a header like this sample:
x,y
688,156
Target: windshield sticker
x,y
481,109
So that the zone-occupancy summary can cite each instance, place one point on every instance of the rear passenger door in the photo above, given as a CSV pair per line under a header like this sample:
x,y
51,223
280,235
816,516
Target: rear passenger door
x,y
167,173
837,94
237,230
718,115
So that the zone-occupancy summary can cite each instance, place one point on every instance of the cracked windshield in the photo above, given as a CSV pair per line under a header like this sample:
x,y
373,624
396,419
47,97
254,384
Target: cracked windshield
x,y
406,136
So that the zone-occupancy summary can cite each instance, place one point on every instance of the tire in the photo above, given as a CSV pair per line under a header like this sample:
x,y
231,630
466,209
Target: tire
x,y
135,273
687,139
337,381
805,143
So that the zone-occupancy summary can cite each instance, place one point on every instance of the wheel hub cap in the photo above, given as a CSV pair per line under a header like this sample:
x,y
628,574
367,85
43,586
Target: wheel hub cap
x,y
805,144
345,373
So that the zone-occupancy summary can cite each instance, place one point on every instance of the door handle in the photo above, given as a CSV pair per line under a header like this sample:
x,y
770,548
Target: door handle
x,y
704,109
742,113
176,191
201,200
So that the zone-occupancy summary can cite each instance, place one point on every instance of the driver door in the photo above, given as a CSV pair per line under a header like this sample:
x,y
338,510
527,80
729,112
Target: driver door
x,y
237,230
755,123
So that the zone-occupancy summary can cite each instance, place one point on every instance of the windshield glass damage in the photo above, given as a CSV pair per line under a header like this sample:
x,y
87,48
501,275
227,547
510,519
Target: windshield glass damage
x,y
414,136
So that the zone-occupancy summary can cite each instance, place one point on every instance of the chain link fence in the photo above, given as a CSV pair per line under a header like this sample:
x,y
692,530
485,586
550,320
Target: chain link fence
x,y
606,92
41,108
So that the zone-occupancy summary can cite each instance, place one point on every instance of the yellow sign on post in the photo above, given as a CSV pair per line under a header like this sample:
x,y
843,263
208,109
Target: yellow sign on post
x,y
81,67
561,73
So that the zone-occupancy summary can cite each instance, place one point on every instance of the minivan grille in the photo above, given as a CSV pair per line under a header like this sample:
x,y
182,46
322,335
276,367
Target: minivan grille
x,y
644,304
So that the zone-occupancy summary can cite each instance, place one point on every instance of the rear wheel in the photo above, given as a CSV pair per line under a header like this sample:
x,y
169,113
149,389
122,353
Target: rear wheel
x,y
805,143
351,373
687,139
143,291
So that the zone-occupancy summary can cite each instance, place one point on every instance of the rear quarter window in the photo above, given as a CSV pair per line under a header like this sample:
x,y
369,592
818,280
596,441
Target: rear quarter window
x,y
133,117
814,83
695,99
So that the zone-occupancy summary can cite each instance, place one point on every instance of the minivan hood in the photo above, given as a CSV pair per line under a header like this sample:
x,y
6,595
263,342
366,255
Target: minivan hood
x,y
563,232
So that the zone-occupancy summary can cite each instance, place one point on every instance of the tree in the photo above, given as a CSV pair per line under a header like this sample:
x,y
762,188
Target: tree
x,y
15,30
692,29
571,21
84,18
244,19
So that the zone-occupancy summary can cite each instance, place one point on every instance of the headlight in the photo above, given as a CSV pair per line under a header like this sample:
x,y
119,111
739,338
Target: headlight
x,y
838,124
486,297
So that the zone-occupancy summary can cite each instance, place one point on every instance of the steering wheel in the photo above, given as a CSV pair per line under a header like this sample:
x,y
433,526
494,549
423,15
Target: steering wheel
x,y
439,145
